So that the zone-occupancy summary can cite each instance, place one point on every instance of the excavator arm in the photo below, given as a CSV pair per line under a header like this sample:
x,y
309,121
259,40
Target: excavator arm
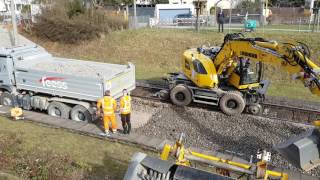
x,y
293,58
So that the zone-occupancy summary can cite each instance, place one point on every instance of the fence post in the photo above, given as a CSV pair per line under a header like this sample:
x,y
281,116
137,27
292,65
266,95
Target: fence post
x,y
230,14
300,24
134,14
318,20
310,19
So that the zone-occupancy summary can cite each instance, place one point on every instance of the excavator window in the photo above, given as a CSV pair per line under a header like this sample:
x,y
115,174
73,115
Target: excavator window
x,y
249,71
198,67
187,65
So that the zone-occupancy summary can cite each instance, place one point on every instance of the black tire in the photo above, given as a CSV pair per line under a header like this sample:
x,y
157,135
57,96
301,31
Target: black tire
x,y
164,95
255,109
180,95
236,92
80,113
6,99
232,104
58,109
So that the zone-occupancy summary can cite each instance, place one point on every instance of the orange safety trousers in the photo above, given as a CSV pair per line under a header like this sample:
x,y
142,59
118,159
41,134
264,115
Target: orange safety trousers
x,y
110,119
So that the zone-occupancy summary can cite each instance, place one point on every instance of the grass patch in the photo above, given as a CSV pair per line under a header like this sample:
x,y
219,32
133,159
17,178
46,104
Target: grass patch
x,y
155,52
34,152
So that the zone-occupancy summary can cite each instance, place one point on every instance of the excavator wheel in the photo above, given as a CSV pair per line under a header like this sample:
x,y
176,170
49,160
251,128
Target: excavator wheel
x,y
232,104
255,109
180,95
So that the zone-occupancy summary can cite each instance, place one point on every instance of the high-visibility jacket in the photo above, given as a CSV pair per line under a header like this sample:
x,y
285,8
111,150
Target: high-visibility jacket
x,y
125,104
108,105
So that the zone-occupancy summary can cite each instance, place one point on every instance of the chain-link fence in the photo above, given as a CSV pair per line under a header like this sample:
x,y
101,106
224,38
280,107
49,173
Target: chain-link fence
x,y
280,19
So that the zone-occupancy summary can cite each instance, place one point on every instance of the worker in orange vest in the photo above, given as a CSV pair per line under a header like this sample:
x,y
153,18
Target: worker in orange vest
x,y
125,110
109,106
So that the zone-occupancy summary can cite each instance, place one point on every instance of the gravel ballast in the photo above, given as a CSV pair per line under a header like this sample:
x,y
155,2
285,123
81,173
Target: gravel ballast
x,y
75,67
212,130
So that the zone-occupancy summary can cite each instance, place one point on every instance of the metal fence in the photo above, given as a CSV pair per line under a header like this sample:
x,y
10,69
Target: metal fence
x,y
236,22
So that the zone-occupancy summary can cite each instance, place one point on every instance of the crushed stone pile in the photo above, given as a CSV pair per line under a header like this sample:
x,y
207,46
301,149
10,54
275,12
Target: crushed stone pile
x,y
79,68
212,130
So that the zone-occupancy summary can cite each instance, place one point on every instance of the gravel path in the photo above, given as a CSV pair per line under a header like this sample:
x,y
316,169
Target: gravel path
x,y
211,130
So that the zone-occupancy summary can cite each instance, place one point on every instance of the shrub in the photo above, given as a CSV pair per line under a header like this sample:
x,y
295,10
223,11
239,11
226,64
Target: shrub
x,y
71,23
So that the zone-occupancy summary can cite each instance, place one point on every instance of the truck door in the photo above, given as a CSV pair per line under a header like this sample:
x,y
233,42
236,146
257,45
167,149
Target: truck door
x,y
6,71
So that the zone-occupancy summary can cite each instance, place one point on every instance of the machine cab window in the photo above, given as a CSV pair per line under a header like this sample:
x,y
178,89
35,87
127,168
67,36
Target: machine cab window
x,y
198,67
249,71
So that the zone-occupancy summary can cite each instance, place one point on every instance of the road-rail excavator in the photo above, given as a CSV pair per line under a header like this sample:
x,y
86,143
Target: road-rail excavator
x,y
230,76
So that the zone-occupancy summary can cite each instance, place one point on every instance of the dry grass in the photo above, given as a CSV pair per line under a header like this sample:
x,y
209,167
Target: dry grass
x,y
156,52
69,22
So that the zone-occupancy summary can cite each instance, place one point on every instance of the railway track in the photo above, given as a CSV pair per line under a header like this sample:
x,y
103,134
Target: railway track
x,y
270,110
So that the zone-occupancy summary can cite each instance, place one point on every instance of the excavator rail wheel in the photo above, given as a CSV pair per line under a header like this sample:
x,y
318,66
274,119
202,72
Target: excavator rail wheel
x,y
255,109
181,95
232,103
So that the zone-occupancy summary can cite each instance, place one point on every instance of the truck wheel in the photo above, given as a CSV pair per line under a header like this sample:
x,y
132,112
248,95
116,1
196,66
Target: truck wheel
x,y
181,95
6,99
58,109
80,113
232,104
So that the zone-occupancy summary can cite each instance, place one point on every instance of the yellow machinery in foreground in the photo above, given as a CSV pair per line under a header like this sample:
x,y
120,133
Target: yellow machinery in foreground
x,y
303,150
176,163
230,76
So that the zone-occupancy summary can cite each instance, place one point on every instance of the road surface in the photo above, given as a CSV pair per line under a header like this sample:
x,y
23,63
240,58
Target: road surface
x,y
6,38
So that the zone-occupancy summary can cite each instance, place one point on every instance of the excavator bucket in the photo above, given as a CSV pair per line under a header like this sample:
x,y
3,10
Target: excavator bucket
x,y
303,150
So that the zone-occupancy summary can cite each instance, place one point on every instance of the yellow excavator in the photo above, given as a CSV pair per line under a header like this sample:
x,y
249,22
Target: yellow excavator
x,y
230,76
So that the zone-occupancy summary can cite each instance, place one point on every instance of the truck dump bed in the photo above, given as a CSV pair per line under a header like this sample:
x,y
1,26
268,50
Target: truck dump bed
x,y
39,71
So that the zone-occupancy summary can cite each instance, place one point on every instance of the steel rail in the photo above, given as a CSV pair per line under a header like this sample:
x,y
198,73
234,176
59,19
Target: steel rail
x,y
271,110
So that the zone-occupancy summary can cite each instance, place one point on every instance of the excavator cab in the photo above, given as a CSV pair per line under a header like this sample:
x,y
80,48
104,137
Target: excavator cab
x,y
246,74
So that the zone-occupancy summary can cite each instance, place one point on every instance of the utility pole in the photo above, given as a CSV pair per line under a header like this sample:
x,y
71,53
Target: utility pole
x,y
134,14
263,17
14,24
318,20
230,14
197,20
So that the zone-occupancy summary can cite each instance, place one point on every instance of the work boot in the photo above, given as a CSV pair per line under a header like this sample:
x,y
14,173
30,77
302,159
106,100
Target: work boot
x,y
125,129
107,132
129,128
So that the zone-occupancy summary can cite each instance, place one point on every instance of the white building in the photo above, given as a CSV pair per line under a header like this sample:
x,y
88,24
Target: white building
x,y
143,2
206,5
18,4
166,12
3,7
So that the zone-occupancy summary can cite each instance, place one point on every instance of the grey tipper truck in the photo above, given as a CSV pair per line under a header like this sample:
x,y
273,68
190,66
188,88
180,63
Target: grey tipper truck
x,y
33,79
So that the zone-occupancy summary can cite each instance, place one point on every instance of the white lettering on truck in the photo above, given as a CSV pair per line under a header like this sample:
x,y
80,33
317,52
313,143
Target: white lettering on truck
x,y
53,82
